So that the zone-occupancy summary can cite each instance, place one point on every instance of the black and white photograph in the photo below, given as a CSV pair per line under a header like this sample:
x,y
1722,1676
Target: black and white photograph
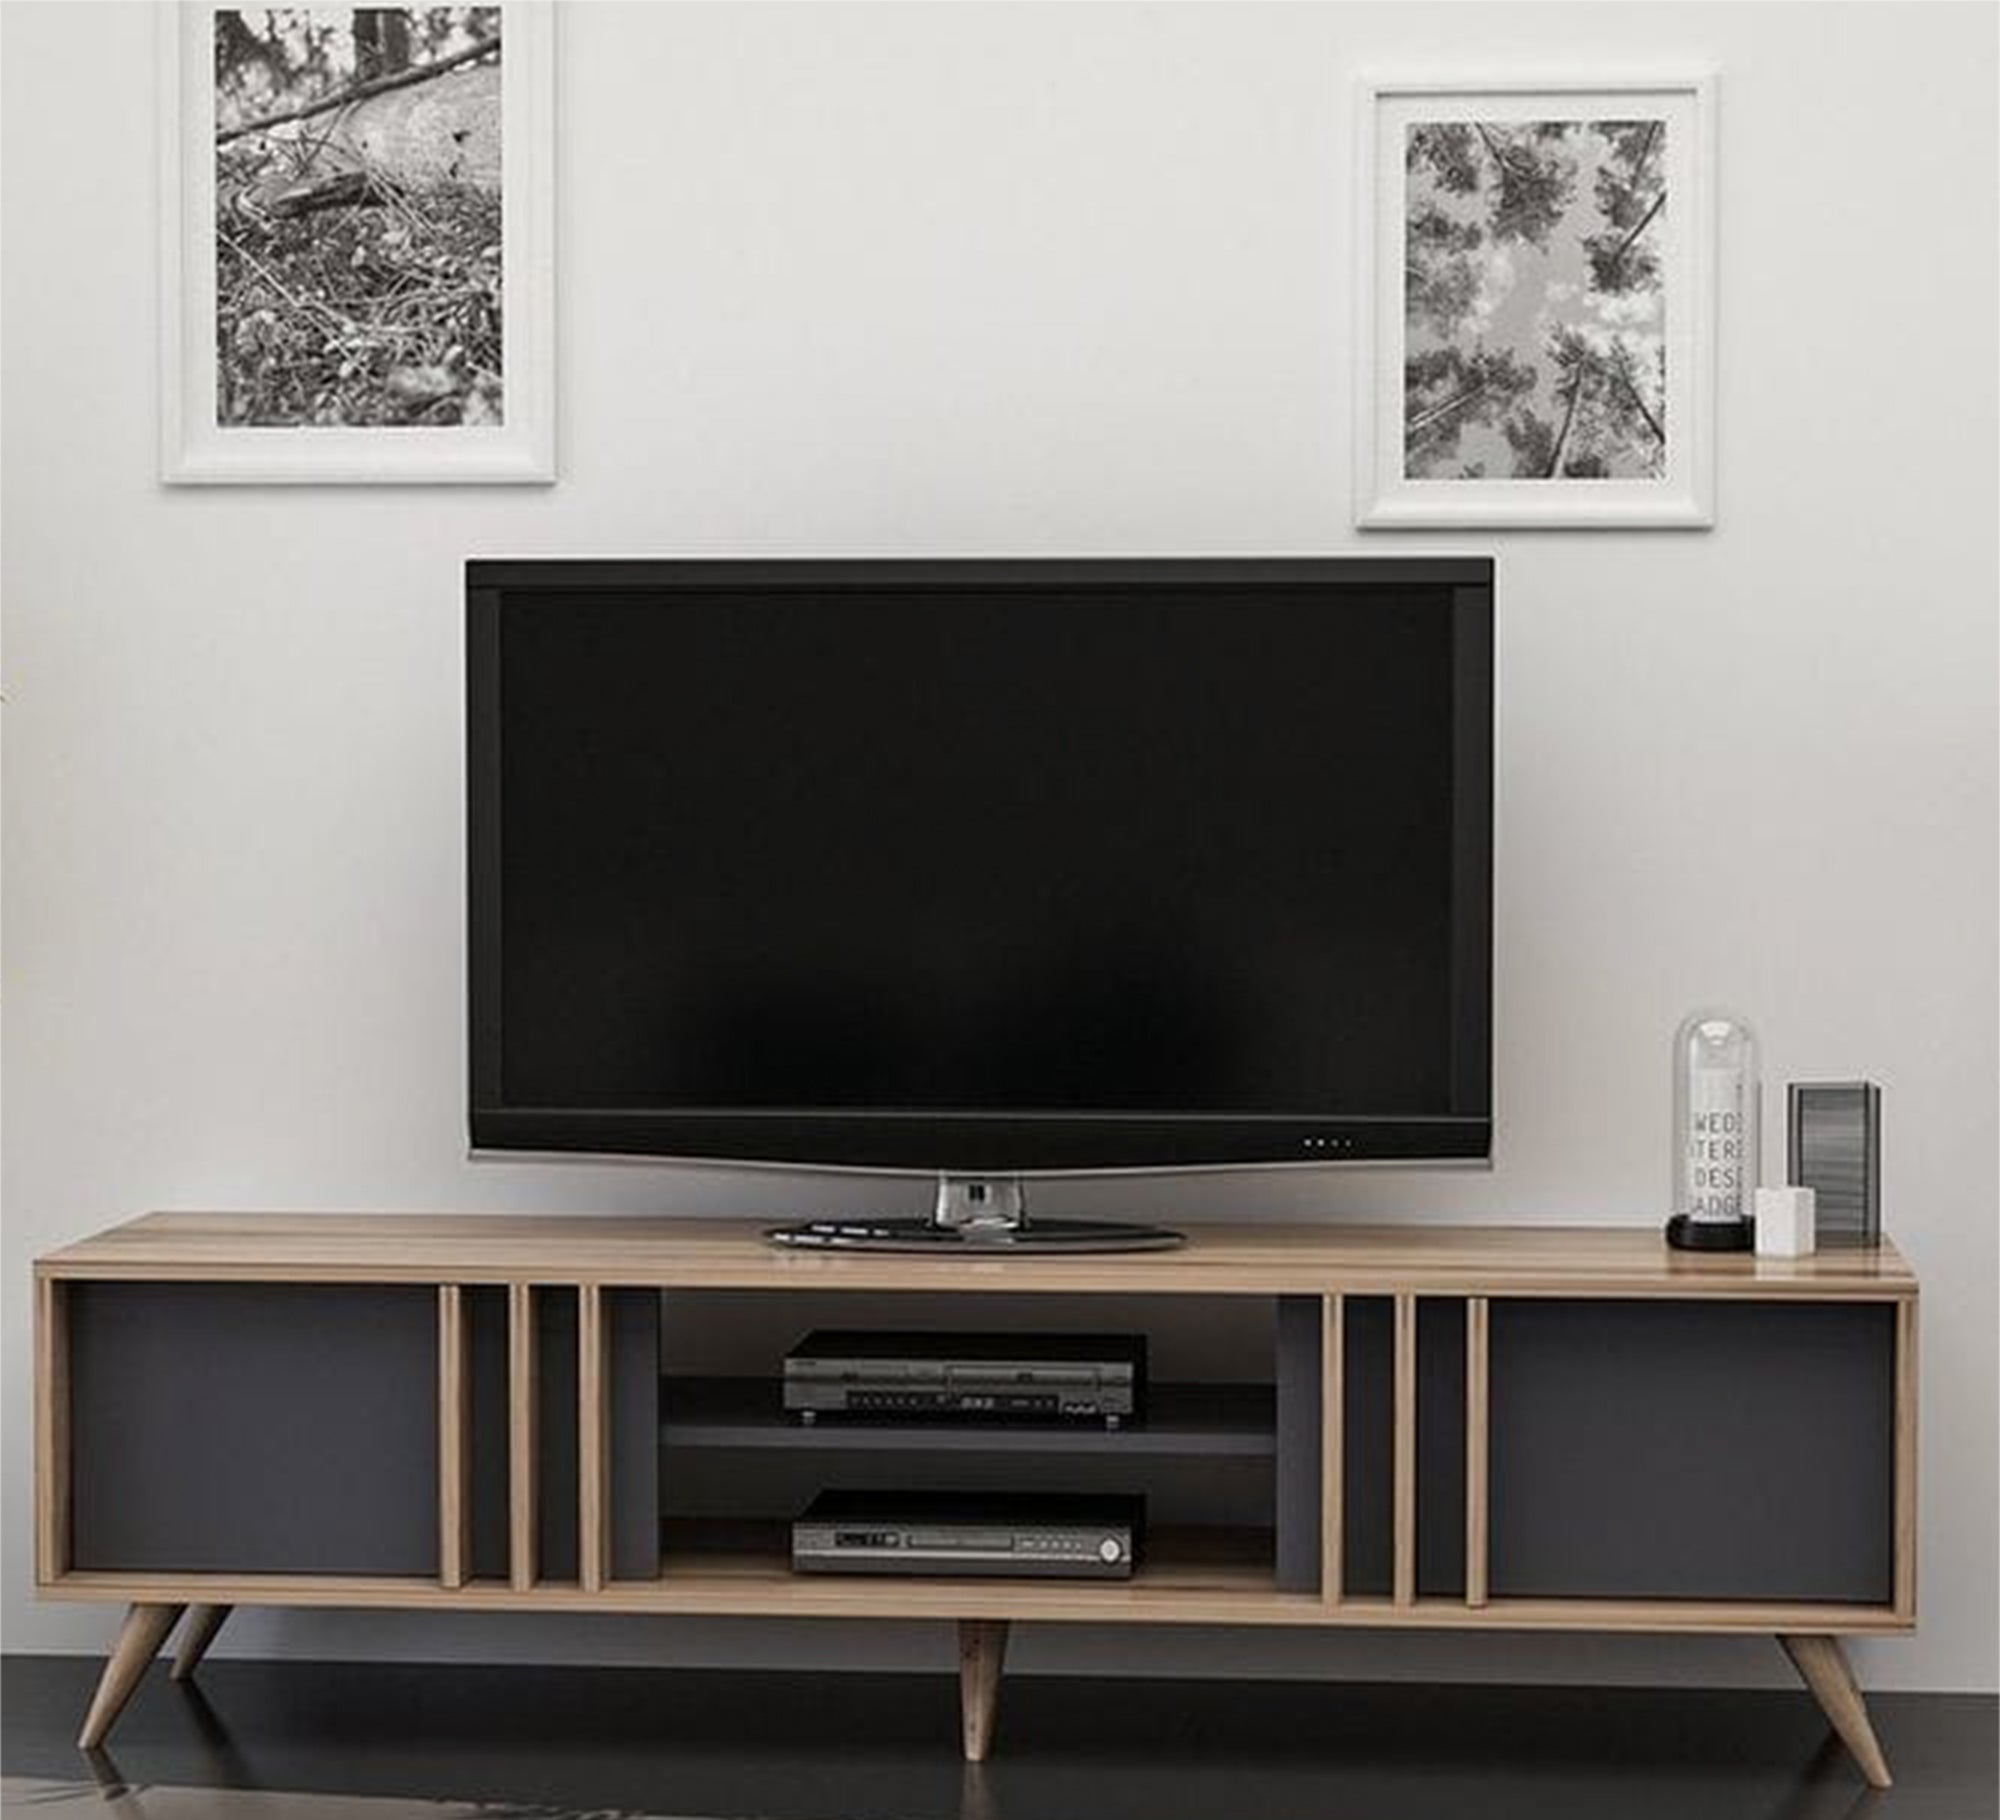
x,y
1534,319
1537,305
355,243
358,233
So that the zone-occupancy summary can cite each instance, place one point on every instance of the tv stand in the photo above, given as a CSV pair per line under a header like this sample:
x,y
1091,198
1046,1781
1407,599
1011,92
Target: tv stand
x,y
1482,1429
987,1213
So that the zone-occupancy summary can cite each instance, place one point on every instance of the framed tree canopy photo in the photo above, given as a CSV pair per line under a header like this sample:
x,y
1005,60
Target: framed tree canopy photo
x,y
1537,304
356,241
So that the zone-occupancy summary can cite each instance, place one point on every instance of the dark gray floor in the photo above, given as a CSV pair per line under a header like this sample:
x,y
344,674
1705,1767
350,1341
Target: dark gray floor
x,y
884,1747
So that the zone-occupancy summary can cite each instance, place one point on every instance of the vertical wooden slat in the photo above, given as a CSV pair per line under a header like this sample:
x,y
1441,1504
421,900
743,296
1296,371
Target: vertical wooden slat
x,y
454,1439
1906,1459
1476,1450
52,1449
1405,1582
593,1534
1333,1451
523,1389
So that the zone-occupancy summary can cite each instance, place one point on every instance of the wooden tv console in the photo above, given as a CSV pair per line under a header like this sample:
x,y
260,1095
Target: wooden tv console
x,y
1479,1428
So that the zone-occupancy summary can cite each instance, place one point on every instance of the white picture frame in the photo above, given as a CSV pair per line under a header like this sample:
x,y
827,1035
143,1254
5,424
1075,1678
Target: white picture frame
x,y
196,448
1392,488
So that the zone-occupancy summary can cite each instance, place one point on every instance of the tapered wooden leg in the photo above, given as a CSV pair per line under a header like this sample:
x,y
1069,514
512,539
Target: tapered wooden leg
x,y
1822,1665
145,1629
982,1652
203,1622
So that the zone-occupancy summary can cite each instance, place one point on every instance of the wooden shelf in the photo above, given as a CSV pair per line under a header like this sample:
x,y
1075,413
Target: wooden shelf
x,y
756,1582
1182,1420
1219,1259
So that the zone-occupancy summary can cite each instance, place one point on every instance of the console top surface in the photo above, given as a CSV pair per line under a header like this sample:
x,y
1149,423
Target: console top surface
x,y
1219,1258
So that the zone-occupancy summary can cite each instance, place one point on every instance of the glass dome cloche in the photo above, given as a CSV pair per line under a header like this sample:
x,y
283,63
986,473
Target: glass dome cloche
x,y
1716,1093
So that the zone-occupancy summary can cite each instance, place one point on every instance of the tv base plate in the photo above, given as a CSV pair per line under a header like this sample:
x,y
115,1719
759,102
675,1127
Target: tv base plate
x,y
924,1234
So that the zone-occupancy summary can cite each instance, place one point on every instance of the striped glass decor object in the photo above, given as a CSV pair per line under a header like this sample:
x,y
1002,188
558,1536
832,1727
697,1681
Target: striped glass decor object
x,y
1834,1147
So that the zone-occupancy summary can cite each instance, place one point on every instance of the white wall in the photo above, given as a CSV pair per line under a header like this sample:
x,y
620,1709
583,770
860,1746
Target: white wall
x,y
1025,279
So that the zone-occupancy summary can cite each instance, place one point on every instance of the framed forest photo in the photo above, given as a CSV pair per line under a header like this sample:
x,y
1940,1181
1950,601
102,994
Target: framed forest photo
x,y
356,240
1537,305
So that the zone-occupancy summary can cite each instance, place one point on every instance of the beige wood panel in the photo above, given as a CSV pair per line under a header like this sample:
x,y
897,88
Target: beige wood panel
x,y
1219,1259
593,1528
1333,1450
1477,1476
454,1439
1906,1460
52,1453
1405,1447
1162,1595
523,1390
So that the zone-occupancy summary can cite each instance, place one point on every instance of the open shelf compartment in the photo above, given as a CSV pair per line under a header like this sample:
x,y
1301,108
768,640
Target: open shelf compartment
x,y
1229,1469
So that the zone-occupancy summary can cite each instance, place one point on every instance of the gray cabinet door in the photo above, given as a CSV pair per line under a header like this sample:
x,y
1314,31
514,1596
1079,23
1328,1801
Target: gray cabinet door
x,y
253,1428
1692,1450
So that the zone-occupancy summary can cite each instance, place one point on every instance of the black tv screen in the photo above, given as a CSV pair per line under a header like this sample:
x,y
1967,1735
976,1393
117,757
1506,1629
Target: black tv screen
x,y
982,866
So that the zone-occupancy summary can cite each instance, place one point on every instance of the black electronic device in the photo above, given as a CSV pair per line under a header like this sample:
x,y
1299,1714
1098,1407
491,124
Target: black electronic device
x,y
1834,1147
1039,1535
982,869
966,1377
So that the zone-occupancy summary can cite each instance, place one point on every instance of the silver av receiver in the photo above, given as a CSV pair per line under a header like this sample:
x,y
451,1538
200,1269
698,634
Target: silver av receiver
x,y
1041,1535
967,1377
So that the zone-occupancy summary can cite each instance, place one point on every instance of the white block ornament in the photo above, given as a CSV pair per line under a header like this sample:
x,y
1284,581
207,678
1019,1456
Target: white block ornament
x,y
1784,1222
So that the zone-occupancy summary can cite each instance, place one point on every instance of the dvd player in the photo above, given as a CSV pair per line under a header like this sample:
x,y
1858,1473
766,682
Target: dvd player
x,y
960,1377
1040,1535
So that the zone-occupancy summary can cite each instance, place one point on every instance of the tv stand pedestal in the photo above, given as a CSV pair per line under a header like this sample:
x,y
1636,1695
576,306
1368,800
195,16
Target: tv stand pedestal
x,y
976,1214
1489,1428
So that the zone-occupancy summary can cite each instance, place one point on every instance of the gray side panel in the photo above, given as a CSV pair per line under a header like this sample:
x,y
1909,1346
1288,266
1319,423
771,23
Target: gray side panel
x,y
1692,1450
1440,1447
556,1515
1368,1469
632,1327
1298,1490
254,1428
486,1326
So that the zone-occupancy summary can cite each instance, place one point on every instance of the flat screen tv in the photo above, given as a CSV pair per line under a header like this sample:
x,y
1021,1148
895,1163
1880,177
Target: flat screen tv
x,y
983,868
